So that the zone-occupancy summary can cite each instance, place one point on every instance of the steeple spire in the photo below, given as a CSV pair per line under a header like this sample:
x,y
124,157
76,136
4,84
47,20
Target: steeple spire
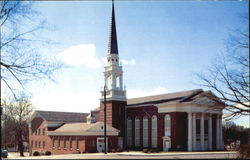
x,y
113,46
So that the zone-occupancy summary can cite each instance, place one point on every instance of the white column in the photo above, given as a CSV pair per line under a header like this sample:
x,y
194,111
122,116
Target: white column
x,y
217,133
194,131
221,134
189,131
210,146
202,132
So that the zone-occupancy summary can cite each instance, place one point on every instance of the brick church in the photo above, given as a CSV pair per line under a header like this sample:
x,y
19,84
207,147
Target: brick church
x,y
182,121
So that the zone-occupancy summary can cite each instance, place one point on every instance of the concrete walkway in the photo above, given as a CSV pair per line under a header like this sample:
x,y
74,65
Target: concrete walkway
x,y
135,155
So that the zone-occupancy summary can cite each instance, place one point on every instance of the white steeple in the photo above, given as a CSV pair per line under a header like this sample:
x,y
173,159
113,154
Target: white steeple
x,y
113,74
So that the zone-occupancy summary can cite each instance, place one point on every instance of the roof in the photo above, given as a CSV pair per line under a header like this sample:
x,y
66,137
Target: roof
x,y
113,46
84,129
177,97
96,109
66,117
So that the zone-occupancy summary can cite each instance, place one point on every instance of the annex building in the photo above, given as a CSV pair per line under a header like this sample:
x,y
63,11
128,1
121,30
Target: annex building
x,y
182,121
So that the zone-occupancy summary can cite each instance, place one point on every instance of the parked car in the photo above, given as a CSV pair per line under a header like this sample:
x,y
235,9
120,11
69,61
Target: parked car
x,y
4,153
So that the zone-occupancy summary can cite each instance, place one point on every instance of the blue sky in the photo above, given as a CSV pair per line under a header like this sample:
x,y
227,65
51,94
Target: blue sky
x,y
161,44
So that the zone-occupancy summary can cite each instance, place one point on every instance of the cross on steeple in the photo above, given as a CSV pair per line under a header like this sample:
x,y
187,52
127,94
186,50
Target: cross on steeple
x,y
113,46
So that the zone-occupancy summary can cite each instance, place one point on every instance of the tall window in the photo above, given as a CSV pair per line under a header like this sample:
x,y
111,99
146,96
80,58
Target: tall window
x,y
167,121
43,144
64,142
70,142
39,144
145,131
35,143
137,131
31,144
53,142
77,143
58,142
129,132
39,131
43,131
154,131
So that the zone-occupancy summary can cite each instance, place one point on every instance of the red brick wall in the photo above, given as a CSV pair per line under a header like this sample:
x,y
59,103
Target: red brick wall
x,y
38,123
91,143
87,144
67,149
115,111
178,126
179,130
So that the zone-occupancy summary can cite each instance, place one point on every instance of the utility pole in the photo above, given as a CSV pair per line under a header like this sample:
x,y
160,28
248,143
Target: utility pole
x,y
105,131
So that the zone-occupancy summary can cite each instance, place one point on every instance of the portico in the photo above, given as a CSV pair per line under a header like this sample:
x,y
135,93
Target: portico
x,y
204,122
200,129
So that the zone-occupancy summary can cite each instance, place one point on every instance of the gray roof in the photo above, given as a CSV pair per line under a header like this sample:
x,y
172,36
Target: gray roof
x,y
63,116
177,97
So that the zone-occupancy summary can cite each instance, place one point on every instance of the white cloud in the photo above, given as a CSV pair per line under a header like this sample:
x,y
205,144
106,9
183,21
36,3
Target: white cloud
x,y
141,93
128,62
104,60
83,54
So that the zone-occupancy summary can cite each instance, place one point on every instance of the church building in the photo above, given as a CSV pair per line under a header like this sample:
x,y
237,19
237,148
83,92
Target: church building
x,y
181,121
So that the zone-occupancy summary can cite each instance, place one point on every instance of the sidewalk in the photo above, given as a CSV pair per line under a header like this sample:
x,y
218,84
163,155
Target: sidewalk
x,y
135,153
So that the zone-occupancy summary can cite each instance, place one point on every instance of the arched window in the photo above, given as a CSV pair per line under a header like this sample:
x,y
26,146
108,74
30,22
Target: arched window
x,y
129,132
167,127
154,131
137,131
145,131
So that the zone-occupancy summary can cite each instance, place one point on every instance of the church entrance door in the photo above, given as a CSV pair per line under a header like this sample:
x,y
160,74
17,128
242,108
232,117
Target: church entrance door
x,y
100,144
166,143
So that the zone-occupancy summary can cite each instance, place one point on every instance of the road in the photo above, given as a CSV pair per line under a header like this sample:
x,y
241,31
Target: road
x,y
135,155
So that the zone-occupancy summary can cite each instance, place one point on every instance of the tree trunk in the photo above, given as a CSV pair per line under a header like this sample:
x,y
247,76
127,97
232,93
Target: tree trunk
x,y
20,143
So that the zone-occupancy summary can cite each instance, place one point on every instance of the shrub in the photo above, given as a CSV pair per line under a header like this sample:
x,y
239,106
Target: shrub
x,y
145,150
47,153
36,153
244,151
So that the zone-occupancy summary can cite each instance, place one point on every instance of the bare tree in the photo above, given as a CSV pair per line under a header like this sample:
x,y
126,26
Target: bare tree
x,y
20,37
228,76
17,111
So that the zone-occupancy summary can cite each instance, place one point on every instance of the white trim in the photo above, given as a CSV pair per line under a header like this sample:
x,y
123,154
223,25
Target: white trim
x,y
195,108
114,99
